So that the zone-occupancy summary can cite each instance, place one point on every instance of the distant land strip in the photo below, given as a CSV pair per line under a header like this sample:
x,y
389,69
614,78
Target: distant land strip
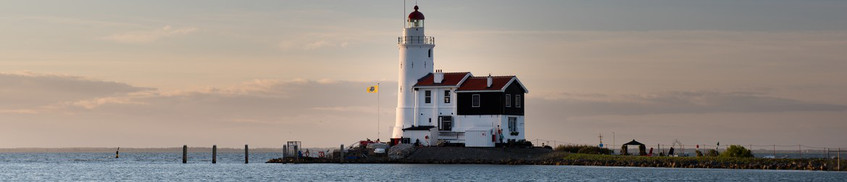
x,y
131,150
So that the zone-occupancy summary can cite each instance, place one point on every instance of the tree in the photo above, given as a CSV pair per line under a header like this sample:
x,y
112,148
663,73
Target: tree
x,y
737,151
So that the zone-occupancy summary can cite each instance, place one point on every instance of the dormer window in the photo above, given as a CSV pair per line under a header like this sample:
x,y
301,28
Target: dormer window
x,y
508,100
518,101
475,102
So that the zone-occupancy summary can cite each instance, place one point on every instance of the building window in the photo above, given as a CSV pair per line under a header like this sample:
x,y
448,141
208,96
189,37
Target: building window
x,y
513,124
475,100
445,123
446,96
508,100
427,96
518,101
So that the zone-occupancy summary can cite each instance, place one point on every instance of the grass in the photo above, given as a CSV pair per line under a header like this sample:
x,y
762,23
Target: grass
x,y
711,162
680,159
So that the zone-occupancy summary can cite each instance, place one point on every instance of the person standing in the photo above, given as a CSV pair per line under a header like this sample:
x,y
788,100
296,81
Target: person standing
x,y
500,133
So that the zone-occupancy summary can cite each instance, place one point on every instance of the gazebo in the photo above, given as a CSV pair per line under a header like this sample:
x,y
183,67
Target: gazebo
x,y
641,148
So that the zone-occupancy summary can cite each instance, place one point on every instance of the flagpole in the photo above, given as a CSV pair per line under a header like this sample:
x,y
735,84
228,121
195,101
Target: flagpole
x,y
377,111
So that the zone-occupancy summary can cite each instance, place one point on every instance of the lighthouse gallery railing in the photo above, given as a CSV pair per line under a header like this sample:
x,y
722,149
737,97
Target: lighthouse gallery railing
x,y
416,40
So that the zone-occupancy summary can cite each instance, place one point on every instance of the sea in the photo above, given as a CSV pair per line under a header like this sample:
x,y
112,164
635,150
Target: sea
x,y
230,166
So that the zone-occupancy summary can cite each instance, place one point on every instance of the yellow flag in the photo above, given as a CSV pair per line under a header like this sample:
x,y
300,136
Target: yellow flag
x,y
373,89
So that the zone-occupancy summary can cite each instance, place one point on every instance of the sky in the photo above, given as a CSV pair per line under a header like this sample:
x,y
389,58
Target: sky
x,y
157,73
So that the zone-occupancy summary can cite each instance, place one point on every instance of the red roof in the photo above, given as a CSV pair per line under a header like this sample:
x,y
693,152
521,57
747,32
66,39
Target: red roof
x,y
450,79
481,83
416,15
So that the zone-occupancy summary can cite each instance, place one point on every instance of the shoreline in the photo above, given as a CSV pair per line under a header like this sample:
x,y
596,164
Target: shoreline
x,y
536,156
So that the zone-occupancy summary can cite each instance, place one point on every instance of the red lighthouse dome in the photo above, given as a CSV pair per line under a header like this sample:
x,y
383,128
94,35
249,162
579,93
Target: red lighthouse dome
x,y
416,15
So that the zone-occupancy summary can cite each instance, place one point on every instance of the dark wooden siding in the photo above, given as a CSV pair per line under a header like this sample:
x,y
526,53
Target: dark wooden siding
x,y
491,103
513,90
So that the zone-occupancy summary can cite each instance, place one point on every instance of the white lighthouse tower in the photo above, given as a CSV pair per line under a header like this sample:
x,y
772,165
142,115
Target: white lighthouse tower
x,y
415,63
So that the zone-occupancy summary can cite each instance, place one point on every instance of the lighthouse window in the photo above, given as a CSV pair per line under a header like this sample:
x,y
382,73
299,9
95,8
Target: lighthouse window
x,y
430,52
446,96
475,100
518,101
508,100
428,96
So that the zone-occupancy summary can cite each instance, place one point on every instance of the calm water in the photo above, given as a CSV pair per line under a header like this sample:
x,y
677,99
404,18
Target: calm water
x,y
231,167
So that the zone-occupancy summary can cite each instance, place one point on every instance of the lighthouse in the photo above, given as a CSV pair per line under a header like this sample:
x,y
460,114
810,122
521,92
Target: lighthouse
x,y
415,63
436,108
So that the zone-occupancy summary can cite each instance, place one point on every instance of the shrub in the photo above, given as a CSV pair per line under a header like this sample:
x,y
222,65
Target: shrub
x,y
712,153
568,148
699,154
583,149
737,151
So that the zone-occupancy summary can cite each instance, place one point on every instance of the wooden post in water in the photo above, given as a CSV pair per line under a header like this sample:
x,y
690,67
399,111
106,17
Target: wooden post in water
x,y
246,155
839,159
341,154
296,154
118,153
214,154
184,154
284,151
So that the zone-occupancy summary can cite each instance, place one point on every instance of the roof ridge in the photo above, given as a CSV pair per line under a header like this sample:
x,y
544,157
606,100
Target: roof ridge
x,y
507,76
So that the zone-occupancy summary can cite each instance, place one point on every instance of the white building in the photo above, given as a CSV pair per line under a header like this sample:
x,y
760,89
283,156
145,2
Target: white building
x,y
455,108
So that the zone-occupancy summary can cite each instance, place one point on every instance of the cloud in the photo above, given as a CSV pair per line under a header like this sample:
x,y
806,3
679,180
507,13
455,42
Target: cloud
x,y
27,92
311,44
150,35
261,112
313,41
18,111
264,112
258,101
682,102
74,21
359,109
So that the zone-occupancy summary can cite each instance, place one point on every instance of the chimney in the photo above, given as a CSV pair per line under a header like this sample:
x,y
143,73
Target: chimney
x,y
438,76
490,80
